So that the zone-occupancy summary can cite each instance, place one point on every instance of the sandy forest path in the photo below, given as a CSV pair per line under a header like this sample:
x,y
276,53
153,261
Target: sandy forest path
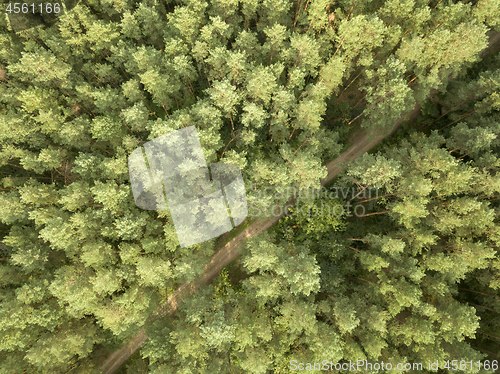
x,y
361,142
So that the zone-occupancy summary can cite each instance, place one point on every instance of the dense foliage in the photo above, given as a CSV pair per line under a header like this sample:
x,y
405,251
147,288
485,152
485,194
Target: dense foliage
x,y
276,87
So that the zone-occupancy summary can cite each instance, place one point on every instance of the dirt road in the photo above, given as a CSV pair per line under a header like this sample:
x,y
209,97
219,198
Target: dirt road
x,y
361,142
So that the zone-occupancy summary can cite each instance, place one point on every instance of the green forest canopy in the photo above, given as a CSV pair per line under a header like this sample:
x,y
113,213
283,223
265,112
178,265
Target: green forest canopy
x,y
281,89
